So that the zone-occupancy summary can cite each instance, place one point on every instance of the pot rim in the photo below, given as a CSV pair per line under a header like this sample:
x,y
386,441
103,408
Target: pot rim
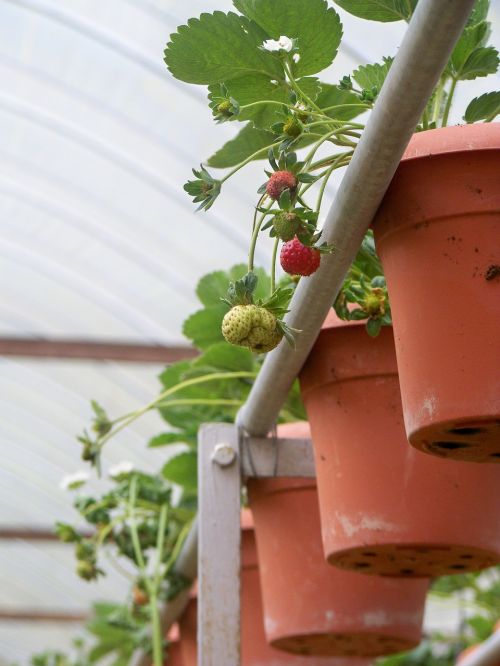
x,y
453,139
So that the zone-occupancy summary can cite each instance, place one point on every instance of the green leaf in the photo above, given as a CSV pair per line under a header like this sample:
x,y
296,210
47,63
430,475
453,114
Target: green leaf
x,y
479,12
217,48
485,107
213,286
223,356
470,39
244,144
481,62
258,88
481,626
182,470
370,76
379,10
166,438
316,27
347,101
203,327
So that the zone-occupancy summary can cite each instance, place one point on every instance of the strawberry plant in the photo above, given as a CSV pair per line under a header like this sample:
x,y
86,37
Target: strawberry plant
x,y
260,65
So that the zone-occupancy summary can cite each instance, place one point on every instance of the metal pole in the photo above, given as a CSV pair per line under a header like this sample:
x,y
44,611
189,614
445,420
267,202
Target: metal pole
x,y
486,654
424,52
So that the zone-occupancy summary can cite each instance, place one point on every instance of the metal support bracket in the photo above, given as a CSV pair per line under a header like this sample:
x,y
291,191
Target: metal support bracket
x,y
224,458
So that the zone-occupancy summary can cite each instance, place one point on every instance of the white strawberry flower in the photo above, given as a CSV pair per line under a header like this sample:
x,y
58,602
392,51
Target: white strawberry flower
x,y
121,468
74,481
296,57
282,44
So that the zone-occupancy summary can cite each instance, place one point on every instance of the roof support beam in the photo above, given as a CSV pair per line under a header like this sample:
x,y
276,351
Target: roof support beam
x,y
28,615
95,350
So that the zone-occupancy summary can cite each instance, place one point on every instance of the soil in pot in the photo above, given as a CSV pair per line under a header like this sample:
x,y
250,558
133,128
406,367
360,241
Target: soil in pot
x,y
310,607
386,507
437,232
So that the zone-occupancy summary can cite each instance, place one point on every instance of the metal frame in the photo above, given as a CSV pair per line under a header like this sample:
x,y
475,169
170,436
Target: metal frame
x,y
225,458
428,43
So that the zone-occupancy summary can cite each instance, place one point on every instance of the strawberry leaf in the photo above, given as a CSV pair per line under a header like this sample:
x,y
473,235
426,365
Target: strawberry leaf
x,y
182,470
485,107
219,47
379,10
246,143
316,27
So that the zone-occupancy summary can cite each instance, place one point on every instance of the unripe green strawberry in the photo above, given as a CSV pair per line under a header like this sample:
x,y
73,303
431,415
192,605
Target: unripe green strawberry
x,y
286,225
225,108
86,570
251,326
292,127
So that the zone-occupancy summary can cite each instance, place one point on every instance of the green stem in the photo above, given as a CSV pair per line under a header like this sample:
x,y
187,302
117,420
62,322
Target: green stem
x,y
288,106
348,106
133,526
324,184
301,94
200,401
253,240
132,416
436,107
448,102
253,156
273,265
155,612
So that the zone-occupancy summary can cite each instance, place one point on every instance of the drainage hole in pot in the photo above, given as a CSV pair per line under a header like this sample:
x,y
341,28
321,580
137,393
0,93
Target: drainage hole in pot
x,y
361,565
494,455
466,431
466,556
406,572
369,553
450,446
457,566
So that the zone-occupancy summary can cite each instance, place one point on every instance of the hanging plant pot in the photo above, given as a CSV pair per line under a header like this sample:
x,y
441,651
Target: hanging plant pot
x,y
174,650
386,507
310,607
437,232
255,651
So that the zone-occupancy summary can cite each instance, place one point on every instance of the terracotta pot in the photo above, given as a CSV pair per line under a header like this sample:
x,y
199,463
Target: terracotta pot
x,y
174,653
437,232
310,607
255,650
387,508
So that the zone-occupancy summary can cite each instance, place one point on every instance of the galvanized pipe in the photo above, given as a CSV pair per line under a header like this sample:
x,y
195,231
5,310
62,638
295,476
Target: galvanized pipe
x,y
424,52
486,654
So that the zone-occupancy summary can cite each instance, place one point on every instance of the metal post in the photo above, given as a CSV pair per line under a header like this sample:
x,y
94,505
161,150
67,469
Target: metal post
x,y
486,654
424,52
219,497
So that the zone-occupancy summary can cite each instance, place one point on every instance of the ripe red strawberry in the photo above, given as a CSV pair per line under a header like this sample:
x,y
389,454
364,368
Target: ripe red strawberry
x,y
299,259
279,181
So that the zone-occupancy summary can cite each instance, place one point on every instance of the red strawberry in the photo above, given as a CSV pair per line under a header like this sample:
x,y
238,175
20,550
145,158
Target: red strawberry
x,y
279,181
299,259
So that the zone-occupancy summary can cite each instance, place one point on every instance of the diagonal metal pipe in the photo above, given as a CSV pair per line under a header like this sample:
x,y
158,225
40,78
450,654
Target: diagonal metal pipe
x,y
486,654
424,52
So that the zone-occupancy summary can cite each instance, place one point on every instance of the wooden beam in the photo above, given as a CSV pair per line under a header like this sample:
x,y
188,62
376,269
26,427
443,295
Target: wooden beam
x,y
94,350
32,615
32,534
